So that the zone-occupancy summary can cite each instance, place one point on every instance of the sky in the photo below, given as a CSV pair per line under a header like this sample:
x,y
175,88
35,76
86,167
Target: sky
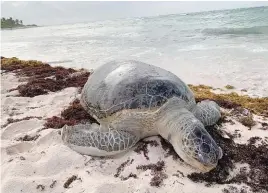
x,y
56,12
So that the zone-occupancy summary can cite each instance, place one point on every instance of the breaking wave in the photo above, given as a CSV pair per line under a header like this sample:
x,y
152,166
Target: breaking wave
x,y
236,31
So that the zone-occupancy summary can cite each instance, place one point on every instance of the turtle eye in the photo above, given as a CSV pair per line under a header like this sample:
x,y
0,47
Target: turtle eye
x,y
206,139
205,148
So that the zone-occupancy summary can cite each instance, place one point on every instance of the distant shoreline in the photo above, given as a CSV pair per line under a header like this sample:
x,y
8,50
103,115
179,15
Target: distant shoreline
x,y
20,27
10,23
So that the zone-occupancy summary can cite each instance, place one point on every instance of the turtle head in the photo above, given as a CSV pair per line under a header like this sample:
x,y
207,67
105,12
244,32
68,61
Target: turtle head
x,y
188,136
197,148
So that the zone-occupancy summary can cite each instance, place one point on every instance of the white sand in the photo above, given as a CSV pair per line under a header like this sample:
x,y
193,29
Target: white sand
x,y
25,165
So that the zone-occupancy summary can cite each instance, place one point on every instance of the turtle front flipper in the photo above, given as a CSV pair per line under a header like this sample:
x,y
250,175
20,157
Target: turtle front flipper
x,y
94,140
208,112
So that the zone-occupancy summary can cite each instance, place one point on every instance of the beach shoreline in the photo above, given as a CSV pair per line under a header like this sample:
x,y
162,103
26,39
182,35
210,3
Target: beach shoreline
x,y
36,100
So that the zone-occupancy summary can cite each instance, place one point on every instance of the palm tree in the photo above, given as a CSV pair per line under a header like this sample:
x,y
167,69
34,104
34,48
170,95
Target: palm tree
x,y
10,21
21,22
17,22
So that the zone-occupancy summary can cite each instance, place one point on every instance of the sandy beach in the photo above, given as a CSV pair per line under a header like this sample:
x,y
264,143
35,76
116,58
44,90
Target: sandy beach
x,y
34,159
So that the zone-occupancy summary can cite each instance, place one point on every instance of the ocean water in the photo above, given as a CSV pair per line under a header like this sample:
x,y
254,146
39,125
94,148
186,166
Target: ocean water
x,y
214,48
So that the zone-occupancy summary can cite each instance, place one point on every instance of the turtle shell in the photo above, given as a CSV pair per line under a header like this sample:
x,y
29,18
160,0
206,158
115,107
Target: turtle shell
x,y
115,86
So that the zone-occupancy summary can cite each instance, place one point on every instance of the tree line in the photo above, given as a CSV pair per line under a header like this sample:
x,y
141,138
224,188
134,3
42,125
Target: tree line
x,y
10,22
13,23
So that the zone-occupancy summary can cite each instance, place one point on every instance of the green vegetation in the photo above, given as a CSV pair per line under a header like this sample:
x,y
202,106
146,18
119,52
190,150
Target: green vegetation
x,y
13,23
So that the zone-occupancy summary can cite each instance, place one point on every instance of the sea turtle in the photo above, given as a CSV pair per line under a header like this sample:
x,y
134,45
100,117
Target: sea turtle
x,y
132,100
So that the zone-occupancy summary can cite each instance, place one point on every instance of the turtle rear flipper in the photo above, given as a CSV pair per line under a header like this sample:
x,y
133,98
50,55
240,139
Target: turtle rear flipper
x,y
92,140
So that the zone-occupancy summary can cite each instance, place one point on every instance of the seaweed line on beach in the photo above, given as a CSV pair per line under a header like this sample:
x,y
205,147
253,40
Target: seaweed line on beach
x,y
41,77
